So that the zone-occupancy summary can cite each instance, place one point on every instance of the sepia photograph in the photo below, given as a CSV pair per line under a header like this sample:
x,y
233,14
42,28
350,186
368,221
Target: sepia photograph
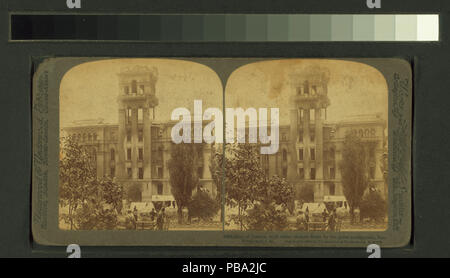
x,y
135,152
329,172
222,151
119,168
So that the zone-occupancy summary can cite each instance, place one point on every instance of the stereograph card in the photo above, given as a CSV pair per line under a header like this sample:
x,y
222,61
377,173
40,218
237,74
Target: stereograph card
x,y
222,152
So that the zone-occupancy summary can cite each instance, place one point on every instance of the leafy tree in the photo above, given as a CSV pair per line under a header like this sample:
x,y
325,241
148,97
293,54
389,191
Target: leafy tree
x,y
247,188
269,213
183,165
243,178
278,191
99,211
93,203
266,216
203,205
75,175
354,171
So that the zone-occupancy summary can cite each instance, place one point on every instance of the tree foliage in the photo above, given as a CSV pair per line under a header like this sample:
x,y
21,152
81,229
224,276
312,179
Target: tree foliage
x,y
259,201
269,213
92,203
266,216
354,171
243,178
183,166
203,206
373,206
278,191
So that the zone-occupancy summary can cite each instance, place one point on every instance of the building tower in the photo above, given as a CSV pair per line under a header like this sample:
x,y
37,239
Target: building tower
x,y
309,101
137,102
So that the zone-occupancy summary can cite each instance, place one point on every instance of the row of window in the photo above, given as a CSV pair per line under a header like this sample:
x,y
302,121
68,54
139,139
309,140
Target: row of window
x,y
134,88
307,89
159,172
140,135
332,173
140,154
85,137
156,132
312,136
129,115
312,154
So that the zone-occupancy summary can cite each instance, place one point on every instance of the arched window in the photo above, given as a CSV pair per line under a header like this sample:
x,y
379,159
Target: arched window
x,y
134,87
284,155
113,155
306,87
141,89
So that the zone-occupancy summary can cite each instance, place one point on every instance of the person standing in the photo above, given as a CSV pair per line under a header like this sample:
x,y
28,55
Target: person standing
x,y
135,213
307,215
324,215
153,214
160,219
332,221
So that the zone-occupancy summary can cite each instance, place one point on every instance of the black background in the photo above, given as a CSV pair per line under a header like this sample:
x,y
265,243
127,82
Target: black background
x,y
431,100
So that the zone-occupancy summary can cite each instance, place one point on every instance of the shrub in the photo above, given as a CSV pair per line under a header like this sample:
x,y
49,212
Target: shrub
x,y
203,206
95,216
373,206
266,216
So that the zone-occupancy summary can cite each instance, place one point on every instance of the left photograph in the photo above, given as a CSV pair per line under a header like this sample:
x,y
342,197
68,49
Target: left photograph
x,y
118,166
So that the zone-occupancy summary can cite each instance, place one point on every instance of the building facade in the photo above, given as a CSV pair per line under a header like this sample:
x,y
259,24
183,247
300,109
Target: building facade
x,y
135,151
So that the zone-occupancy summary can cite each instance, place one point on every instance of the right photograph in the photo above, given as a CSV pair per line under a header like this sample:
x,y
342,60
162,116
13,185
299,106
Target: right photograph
x,y
306,147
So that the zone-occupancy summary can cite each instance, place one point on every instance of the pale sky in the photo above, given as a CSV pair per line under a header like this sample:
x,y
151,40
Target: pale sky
x,y
353,89
90,90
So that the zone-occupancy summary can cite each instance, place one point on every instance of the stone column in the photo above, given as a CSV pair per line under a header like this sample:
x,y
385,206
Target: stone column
x,y
134,140
292,157
306,138
319,151
121,150
147,144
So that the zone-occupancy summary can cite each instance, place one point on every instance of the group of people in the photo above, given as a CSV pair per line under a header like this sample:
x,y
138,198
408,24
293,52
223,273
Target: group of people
x,y
328,217
156,217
